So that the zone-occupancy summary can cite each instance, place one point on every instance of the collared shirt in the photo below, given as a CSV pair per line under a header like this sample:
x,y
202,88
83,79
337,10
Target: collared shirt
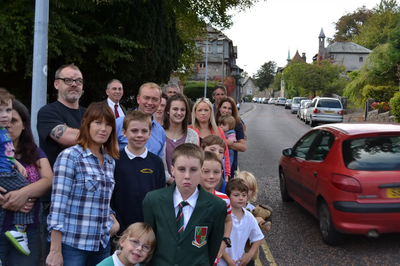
x,y
112,106
187,210
132,156
80,198
155,144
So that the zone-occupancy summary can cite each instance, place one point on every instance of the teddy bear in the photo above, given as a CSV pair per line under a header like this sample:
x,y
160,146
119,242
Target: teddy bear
x,y
264,212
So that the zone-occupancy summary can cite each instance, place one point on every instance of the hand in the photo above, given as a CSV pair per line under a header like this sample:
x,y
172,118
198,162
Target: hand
x,y
114,228
16,200
226,178
55,259
259,220
3,199
221,249
246,257
229,142
231,263
21,169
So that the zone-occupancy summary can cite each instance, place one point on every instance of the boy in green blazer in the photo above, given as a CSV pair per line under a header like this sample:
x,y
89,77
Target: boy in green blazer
x,y
188,221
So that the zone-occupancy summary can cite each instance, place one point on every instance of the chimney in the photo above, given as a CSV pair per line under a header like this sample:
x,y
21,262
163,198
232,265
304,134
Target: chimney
x,y
303,55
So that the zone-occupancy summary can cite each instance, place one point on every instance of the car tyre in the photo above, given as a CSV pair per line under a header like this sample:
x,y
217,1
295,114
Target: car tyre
x,y
305,120
328,231
312,123
284,190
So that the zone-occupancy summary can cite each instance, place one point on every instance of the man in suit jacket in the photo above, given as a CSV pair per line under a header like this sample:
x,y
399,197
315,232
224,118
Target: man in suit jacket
x,y
115,91
197,241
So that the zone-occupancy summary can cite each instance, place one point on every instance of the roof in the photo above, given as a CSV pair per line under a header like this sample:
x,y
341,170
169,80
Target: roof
x,y
321,34
347,47
364,128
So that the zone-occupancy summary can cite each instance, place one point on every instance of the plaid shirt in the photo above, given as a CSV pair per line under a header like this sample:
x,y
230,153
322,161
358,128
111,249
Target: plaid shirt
x,y
80,198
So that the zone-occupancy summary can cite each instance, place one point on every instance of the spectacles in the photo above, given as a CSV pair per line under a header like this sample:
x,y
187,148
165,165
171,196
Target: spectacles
x,y
68,81
137,244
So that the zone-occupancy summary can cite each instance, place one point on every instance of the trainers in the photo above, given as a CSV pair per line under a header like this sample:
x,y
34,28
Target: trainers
x,y
19,241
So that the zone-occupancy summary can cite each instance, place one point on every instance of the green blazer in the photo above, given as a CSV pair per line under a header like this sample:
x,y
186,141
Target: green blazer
x,y
202,237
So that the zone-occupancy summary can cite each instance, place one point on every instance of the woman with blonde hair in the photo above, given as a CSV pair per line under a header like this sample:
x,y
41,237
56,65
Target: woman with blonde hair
x,y
203,122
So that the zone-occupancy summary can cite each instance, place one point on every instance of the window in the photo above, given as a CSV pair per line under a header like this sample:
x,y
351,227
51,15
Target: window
x,y
322,146
201,65
219,49
205,47
332,56
304,144
361,59
329,103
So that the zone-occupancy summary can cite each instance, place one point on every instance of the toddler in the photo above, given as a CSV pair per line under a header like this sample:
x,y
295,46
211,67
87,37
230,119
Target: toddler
x,y
227,123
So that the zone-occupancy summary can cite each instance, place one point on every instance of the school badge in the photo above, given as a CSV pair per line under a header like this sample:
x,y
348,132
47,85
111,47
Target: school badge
x,y
200,235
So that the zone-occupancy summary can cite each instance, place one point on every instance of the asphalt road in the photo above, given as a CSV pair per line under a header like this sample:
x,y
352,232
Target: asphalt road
x,y
295,237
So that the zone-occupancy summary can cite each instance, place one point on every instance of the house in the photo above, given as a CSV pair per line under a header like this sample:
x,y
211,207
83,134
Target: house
x,y
353,56
249,86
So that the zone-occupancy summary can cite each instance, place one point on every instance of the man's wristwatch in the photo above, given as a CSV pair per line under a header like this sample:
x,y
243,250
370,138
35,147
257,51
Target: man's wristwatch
x,y
227,241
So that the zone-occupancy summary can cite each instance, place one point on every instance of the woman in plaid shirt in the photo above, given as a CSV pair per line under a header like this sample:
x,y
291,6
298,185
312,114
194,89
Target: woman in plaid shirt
x,y
81,220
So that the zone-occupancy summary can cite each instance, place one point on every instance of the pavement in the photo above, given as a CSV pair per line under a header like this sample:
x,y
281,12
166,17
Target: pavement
x,y
356,116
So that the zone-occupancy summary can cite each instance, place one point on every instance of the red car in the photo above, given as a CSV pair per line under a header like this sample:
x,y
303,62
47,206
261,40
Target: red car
x,y
348,176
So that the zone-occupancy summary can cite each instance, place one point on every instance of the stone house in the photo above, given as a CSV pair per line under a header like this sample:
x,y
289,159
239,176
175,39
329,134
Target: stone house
x,y
249,86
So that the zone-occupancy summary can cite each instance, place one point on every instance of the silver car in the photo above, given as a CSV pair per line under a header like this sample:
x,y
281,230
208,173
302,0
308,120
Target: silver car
x,y
296,104
280,101
324,110
302,107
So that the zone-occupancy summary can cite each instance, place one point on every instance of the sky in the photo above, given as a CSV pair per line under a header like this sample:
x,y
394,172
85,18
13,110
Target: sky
x,y
271,28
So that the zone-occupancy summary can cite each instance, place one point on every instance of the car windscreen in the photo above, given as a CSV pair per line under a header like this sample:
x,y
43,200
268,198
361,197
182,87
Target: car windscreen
x,y
329,104
372,154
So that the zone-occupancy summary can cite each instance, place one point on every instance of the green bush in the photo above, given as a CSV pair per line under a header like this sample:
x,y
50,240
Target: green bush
x,y
379,93
195,89
395,106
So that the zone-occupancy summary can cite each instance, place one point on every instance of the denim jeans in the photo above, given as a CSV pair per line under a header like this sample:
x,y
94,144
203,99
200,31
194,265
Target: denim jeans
x,y
73,256
10,256
44,212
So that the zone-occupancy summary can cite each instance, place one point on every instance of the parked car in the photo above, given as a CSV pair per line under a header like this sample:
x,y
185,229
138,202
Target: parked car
x,y
288,103
324,110
265,100
302,107
254,99
280,101
272,101
347,176
296,104
259,100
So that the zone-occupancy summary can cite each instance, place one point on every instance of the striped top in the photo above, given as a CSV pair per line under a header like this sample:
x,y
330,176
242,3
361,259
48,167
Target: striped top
x,y
226,199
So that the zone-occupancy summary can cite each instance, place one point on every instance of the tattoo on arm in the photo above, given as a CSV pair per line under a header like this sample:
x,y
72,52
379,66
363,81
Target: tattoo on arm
x,y
58,131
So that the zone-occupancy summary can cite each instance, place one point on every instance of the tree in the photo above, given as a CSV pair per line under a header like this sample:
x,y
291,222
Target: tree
x,y
265,75
349,25
276,85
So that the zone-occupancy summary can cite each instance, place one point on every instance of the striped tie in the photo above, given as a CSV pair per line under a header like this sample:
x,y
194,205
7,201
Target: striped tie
x,y
179,217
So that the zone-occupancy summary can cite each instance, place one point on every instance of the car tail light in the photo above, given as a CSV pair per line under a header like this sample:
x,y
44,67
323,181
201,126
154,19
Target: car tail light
x,y
340,112
346,183
316,111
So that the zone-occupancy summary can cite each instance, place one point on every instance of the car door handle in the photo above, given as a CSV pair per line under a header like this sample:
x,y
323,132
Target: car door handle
x,y
298,168
315,174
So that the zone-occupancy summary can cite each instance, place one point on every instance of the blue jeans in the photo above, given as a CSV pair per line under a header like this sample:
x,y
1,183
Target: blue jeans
x,y
73,256
10,256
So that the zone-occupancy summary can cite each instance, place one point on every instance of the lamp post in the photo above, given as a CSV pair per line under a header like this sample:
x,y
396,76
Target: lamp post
x,y
223,55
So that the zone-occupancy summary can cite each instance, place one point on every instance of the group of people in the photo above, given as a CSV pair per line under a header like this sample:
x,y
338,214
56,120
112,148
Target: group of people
x,y
145,185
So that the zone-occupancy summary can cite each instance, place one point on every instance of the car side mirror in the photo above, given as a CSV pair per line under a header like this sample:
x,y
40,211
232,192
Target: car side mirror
x,y
287,152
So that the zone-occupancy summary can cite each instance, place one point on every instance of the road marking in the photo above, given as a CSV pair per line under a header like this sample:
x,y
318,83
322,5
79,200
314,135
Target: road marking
x,y
253,107
267,253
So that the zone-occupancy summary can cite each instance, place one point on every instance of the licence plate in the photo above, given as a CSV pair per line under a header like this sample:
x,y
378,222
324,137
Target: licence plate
x,y
329,112
393,192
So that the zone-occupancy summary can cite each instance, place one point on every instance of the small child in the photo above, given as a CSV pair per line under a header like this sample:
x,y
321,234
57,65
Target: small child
x,y
244,226
216,144
227,123
128,252
211,174
188,221
10,178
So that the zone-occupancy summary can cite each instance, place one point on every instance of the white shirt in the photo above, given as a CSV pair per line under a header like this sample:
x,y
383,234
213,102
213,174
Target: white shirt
x,y
132,156
112,104
188,209
247,228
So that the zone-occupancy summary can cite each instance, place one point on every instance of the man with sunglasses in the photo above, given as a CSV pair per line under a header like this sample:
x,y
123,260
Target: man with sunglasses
x,y
58,124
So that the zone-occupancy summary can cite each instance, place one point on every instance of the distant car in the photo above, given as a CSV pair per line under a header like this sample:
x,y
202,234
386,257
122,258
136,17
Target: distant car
x,y
296,104
238,106
254,99
265,100
347,176
303,112
271,101
324,110
288,103
280,101
302,107
259,100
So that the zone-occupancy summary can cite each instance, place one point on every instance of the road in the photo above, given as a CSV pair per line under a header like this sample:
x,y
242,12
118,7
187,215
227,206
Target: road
x,y
295,237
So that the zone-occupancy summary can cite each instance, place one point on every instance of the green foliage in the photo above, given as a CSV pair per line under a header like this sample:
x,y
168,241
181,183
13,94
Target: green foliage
x,y
265,75
195,89
379,93
395,106
276,85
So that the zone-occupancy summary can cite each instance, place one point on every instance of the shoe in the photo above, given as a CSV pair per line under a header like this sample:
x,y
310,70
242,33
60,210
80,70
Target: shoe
x,y
19,241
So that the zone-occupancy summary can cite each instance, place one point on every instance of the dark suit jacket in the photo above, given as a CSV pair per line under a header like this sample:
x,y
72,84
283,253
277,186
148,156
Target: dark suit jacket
x,y
208,216
122,107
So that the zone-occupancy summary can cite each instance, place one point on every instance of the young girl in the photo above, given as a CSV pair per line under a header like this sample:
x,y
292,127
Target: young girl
x,y
135,246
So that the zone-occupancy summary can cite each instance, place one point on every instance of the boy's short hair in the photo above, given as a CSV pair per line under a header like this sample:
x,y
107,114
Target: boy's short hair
x,y
227,120
251,182
136,116
211,156
212,140
188,150
5,96
236,184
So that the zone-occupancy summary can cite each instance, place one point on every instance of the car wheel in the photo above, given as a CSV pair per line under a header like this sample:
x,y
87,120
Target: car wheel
x,y
328,231
305,120
284,190
312,123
